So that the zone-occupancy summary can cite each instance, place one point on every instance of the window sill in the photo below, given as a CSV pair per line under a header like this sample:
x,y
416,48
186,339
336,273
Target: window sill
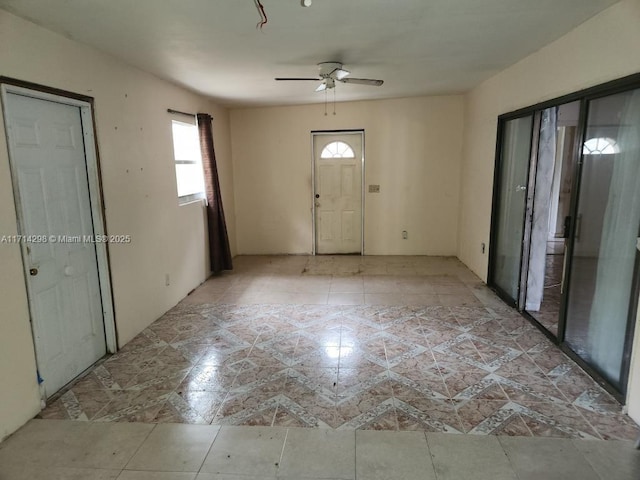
x,y
190,199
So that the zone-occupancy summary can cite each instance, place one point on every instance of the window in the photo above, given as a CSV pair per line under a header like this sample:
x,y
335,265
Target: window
x,y
186,151
337,150
600,146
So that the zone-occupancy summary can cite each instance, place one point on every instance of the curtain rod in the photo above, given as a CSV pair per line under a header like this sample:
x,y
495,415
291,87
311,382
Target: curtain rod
x,y
178,112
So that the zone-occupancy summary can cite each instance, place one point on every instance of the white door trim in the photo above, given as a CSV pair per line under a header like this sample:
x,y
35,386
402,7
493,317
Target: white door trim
x,y
95,194
319,133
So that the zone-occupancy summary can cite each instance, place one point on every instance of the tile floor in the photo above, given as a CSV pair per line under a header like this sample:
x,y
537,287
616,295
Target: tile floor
x,y
347,343
69,450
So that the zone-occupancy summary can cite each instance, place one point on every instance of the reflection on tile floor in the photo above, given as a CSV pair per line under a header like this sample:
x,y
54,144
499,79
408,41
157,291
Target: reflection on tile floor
x,y
432,350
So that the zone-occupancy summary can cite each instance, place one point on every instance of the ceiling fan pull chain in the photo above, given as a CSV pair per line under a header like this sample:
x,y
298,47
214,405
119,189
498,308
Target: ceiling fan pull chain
x,y
325,103
334,101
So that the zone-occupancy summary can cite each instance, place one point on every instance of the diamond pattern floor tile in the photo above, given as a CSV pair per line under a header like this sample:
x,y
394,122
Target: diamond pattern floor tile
x,y
448,365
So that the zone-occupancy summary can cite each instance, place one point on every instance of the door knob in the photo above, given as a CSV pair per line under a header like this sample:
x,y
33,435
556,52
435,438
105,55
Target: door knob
x,y
317,195
33,272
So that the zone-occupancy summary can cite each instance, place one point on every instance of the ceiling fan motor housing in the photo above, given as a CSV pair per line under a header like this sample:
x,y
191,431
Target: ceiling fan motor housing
x,y
327,68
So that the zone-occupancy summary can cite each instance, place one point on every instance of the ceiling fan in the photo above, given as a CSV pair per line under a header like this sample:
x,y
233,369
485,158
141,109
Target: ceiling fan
x,y
330,73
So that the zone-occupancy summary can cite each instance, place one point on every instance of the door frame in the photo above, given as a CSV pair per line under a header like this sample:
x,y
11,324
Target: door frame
x,y
94,180
495,201
320,133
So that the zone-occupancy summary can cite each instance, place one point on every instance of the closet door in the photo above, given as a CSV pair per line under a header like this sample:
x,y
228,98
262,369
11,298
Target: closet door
x,y
510,201
602,292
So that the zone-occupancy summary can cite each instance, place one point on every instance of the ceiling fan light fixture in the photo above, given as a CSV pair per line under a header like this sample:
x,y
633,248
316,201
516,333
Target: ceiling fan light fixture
x,y
340,73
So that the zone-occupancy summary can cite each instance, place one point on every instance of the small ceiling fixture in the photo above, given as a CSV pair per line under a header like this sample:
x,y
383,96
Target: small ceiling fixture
x,y
330,72
306,3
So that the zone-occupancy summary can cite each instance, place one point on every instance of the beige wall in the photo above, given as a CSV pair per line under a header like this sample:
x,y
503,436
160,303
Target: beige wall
x,y
602,49
413,149
134,136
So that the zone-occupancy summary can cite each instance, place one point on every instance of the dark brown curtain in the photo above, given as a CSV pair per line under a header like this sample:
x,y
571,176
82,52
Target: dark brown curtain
x,y
219,251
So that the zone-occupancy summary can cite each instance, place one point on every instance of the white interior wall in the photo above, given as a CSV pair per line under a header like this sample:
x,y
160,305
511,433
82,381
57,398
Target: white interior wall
x,y
136,154
412,150
602,49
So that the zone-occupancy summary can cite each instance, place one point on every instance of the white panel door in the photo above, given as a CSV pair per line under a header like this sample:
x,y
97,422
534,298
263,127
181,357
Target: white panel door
x,y
338,192
50,169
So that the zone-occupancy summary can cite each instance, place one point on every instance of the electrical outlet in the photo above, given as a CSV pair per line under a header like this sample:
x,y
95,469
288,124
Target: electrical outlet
x,y
405,235
167,279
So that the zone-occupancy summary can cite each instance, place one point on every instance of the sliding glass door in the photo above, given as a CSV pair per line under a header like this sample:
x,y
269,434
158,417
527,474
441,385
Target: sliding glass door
x,y
555,166
565,227
601,295
510,202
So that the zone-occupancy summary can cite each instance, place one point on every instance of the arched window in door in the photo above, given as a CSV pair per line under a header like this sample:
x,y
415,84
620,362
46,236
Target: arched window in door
x,y
337,150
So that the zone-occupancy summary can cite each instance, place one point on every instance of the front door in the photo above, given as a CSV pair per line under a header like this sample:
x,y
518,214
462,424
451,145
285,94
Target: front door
x,y
338,192
47,150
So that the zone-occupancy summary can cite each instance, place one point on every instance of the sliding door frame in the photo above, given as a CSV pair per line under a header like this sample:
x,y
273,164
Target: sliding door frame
x,y
571,234
631,325
584,97
596,93
529,208
497,177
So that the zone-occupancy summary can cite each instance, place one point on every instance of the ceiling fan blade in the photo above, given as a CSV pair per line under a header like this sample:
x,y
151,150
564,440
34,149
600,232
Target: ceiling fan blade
x,y
296,79
362,81
322,87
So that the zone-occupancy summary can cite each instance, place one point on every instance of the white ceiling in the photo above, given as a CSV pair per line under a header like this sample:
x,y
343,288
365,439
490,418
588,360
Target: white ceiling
x,y
418,47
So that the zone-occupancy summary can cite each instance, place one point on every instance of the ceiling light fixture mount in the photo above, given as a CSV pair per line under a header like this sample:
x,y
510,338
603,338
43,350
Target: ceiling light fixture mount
x,y
306,3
